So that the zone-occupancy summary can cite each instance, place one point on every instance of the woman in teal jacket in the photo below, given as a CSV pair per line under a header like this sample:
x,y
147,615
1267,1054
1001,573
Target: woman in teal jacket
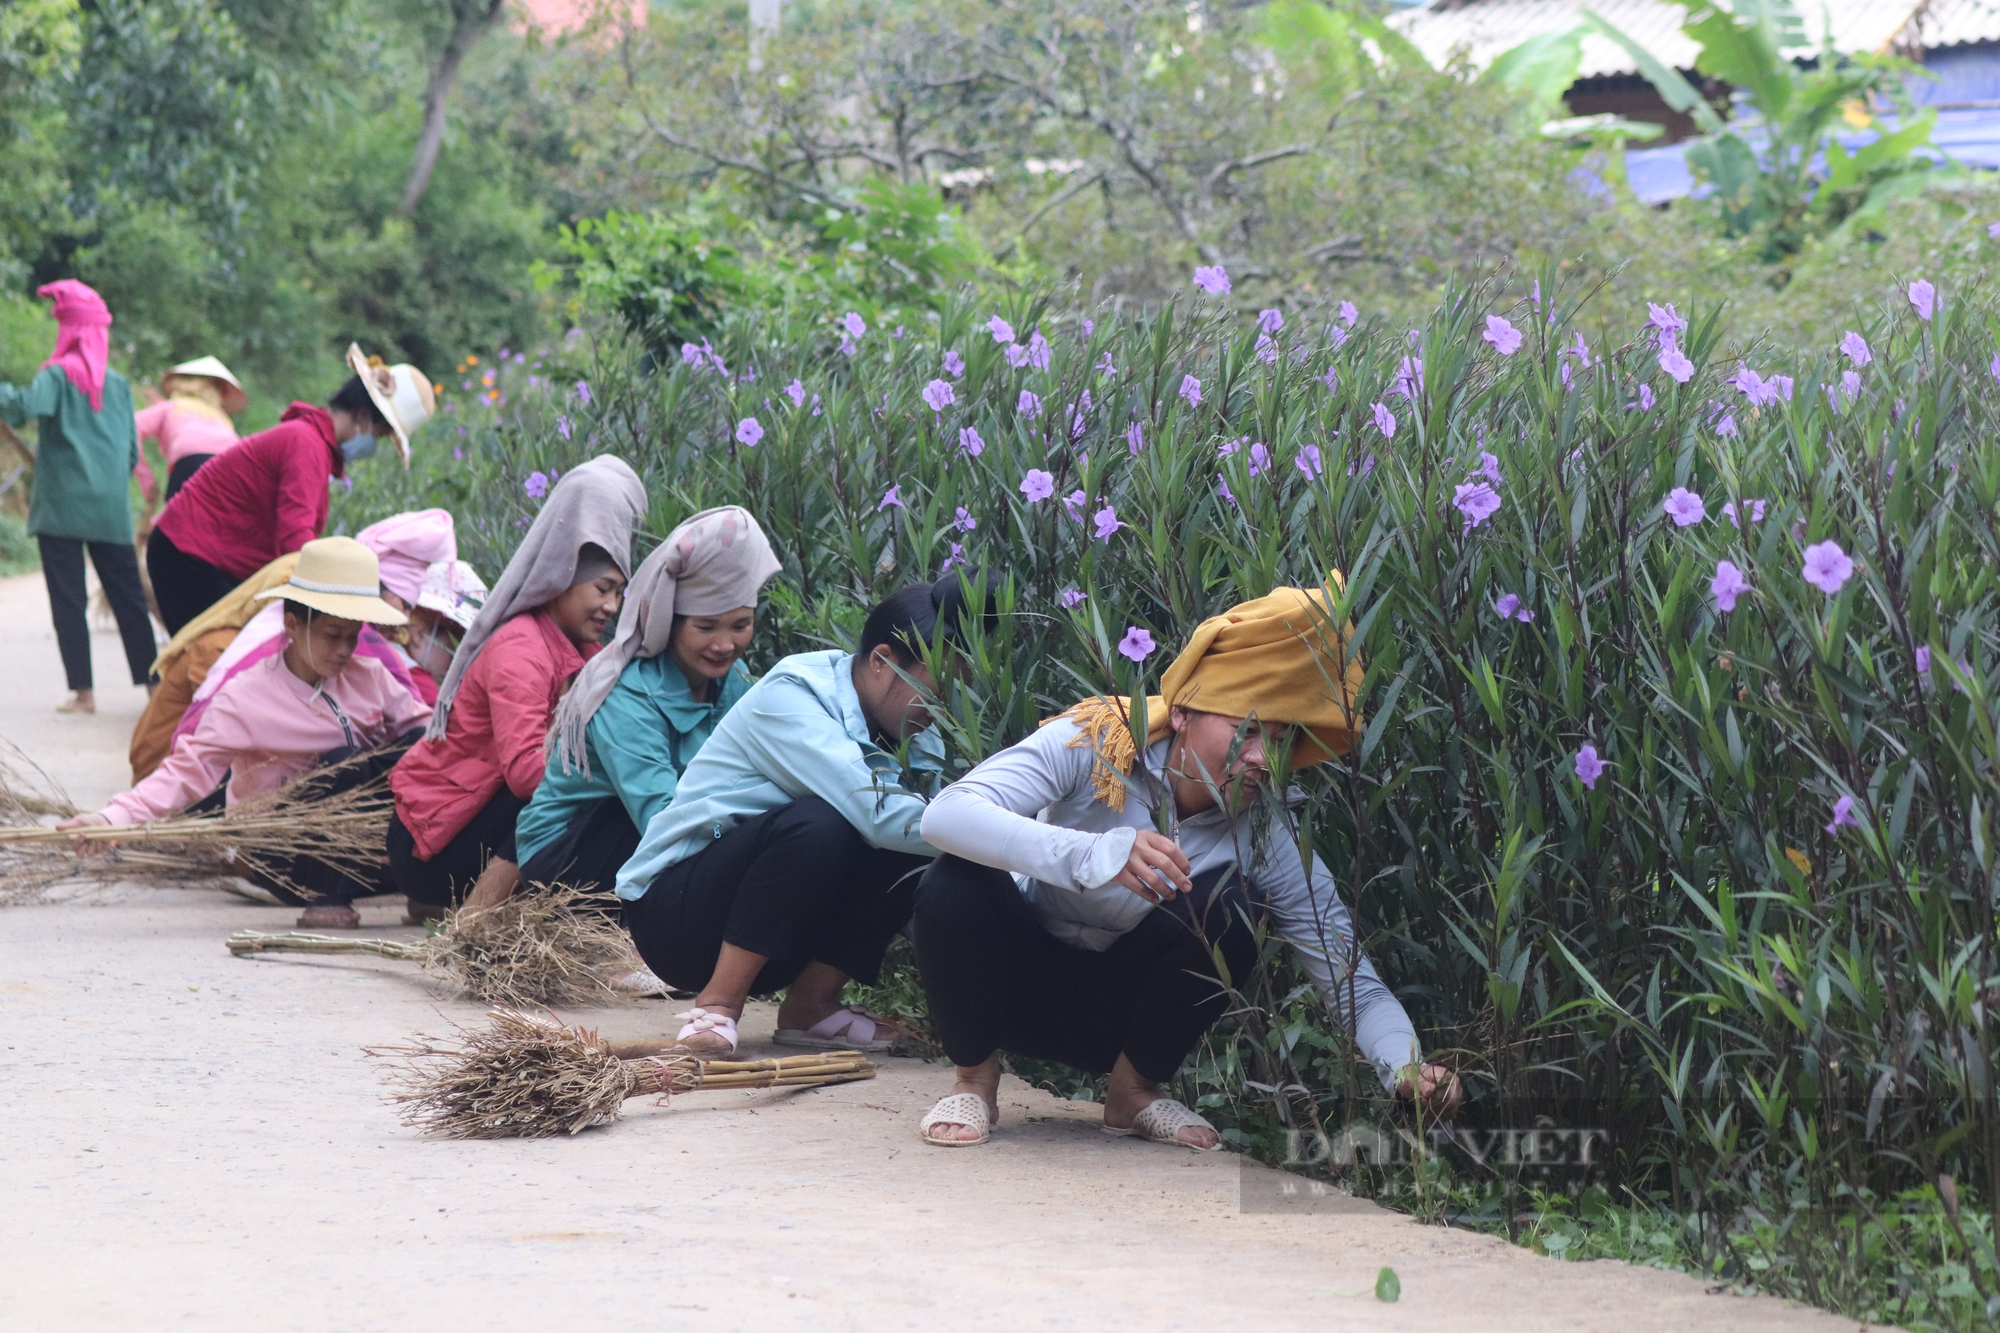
x,y
86,445
639,711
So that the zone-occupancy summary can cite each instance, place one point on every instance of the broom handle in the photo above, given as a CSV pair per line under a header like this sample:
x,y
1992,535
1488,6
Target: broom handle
x,y
175,830
298,941
717,1082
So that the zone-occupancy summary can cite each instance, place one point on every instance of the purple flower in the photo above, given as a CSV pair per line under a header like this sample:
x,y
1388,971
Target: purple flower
x,y
1038,351
939,395
749,431
964,522
1135,437
1331,380
1074,502
1856,348
1664,321
1191,390
1002,331
854,325
1923,659
1993,230
1267,349
954,364
1843,809
1070,599
537,485
1089,327
1137,645
847,346
1828,567
692,355
898,333
1308,461
1222,489
1753,386
968,440
457,452
1336,338
1993,366
1646,398
1037,485
1923,297
1017,355
1589,768
583,392
1509,608
1212,279
1752,510
1506,339
891,498
1410,377
1477,501
562,427
1783,384
1725,424
796,391
1675,363
1028,404
1489,468
1684,507
1270,321
1385,420
1106,522
1229,448
1348,314
1105,368
1727,585
1850,383
957,556
1581,352
1260,459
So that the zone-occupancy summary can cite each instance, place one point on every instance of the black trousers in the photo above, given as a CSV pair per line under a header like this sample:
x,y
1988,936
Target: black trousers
x,y
446,878
183,587
996,980
796,884
592,848
118,570
311,879
178,474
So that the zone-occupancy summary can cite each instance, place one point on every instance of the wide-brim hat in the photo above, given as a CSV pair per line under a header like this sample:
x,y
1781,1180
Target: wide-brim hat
x,y
234,400
341,577
400,393
454,590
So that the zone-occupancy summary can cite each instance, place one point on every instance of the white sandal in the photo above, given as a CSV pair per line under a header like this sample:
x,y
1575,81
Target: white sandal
x,y
848,1028
960,1108
1162,1122
719,1031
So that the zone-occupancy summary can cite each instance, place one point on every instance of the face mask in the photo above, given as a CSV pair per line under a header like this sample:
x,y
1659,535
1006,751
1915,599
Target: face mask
x,y
357,447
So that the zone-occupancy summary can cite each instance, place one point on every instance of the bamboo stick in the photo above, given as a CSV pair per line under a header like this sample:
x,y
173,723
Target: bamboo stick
x,y
299,941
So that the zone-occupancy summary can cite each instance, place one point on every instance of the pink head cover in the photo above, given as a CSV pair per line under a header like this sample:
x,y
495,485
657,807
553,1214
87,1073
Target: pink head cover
x,y
407,545
83,337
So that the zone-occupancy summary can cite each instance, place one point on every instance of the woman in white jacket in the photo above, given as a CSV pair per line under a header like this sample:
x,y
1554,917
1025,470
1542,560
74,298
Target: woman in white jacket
x,y
1096,899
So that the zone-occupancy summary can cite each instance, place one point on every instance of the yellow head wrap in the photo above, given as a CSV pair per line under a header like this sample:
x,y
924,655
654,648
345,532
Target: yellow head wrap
x,y
232,612
1280,659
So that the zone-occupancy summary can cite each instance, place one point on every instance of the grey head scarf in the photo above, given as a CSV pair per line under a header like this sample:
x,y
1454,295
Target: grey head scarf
x,y
597,503
714,562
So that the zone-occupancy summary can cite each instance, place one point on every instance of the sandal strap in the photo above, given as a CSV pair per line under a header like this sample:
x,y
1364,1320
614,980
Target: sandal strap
x,y
958,1108
1163,1120
840,1025
707,1020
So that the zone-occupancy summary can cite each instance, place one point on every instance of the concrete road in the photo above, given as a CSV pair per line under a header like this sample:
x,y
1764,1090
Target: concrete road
x,y
198,1141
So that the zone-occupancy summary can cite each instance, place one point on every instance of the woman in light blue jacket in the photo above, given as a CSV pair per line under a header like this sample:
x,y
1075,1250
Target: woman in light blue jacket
x,y
789,855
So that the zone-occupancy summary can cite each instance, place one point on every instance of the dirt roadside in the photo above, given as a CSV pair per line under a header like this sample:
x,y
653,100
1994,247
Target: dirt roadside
x,y
197,1140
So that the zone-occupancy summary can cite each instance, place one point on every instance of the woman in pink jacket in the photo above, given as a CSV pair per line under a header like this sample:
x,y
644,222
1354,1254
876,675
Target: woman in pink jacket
x,y
191,424
317,711
459,791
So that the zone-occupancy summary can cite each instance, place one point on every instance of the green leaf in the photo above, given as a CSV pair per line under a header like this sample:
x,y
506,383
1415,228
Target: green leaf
x,y
1388,1287
1542,68
1674,90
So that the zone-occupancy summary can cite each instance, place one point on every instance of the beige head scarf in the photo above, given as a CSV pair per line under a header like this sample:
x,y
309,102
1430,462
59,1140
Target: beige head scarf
x,y
714,562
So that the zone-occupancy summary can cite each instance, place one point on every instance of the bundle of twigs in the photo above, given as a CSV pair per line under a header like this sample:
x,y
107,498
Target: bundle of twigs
x,y
543,946
257,839
530,1077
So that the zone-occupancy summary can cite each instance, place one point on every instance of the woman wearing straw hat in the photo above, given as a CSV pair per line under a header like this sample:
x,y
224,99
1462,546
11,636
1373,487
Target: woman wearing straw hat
x,y
85,448
315,703
1099,898
267,495
191,423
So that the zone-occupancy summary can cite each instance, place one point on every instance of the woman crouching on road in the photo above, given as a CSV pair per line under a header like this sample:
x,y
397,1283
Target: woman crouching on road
x,y
1091,937
789,855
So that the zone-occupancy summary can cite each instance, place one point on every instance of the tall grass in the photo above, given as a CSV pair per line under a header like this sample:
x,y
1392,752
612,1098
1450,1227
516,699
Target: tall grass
x,y
1776,1017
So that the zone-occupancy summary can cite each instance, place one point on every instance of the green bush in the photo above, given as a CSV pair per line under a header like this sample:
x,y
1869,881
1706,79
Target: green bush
x,y
1755,949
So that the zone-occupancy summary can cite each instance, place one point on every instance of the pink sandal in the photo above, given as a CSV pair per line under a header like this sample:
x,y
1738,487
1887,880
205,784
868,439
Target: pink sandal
x,y
707,1033
845,1029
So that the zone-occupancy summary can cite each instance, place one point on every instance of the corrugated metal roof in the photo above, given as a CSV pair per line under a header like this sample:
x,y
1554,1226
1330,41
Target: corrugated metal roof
x,y
1483,29
1954,23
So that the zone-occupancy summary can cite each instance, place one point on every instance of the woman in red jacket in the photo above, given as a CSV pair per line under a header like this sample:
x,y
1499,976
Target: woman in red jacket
x,y
267,496
459,790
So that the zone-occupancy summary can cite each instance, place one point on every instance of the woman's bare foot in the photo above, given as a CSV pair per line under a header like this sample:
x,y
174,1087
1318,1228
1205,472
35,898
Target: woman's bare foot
x,y
983,1082
83,701
1126,1094
330,916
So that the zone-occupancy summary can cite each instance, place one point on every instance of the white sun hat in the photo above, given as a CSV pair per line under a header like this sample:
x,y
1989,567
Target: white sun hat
x,y
454,590
234,399
400,393
341,577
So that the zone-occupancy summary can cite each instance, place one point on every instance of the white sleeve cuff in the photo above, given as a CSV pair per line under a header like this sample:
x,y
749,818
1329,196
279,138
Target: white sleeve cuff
x,y
1107,858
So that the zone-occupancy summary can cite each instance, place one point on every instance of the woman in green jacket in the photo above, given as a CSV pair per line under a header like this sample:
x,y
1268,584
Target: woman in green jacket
x,y
85,450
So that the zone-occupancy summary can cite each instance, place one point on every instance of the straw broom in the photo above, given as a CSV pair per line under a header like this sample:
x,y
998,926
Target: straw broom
x,y
530,1077
543,946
